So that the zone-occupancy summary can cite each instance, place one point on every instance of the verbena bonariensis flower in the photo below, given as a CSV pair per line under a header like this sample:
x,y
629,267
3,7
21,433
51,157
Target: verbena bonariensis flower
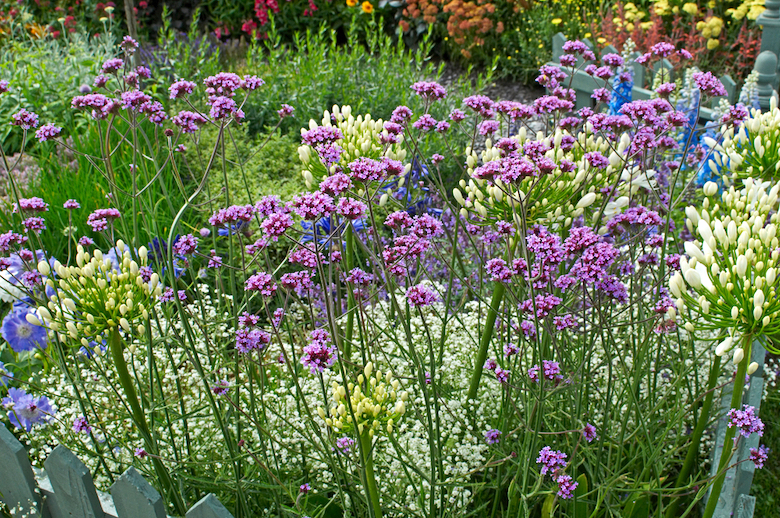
x,y
320,353
96,297
728,277
374,401
30,205
746,421
24,119
25,410
759,455
493,436
551,460
421,295
100,218
429,90
47,132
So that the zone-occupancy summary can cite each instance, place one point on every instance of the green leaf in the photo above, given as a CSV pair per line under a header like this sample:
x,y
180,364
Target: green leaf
x,y
548,508
581,506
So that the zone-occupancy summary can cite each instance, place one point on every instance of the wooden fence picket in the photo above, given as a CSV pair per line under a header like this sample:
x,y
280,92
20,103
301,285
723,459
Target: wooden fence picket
x,y
72,483
17,483
209,507
134,496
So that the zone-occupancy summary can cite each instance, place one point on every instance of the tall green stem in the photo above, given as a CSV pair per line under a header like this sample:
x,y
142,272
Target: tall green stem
x,y
126,381
736,402
487,334
368,467
350,296
701,424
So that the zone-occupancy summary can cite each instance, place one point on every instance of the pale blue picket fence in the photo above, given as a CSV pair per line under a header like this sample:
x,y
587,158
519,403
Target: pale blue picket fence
x,y
65,489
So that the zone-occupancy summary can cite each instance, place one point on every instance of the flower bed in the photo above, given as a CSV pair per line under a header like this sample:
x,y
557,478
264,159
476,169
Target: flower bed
x,y
541,331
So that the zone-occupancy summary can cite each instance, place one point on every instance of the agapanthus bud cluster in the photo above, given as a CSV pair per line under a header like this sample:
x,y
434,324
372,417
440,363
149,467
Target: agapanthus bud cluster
x,y
728,277
375,402
342,139
96,297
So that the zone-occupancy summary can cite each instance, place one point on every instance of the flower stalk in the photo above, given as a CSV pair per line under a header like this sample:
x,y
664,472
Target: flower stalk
x,y
487,334
126,381
736,402
368,469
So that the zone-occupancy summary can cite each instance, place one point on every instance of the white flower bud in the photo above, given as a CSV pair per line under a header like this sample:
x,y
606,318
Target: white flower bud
x,y
689,327
125,324
693,279
752,368
724,346
757,312
32,319
734,312
758,298
742,264
710,188
586,201
692,214
694,251
739,354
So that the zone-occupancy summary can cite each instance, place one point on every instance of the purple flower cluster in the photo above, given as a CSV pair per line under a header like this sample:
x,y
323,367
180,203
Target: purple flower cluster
x,y
24,119
100,219
746,421
429,90
421,295
262,282
320,353
554,462
25,410
493,436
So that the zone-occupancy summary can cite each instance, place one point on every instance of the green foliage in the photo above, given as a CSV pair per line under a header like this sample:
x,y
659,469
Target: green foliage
x,y
255,167
44,75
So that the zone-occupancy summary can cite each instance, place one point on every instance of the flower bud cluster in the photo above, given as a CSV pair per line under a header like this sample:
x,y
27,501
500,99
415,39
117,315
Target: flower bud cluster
x,y
374,401
96,297
729,275
549,175
751,149
360,136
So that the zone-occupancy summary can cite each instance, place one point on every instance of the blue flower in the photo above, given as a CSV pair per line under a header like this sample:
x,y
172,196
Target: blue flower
x,y
24,410
5,375
234,229
20,334
323,229
621,90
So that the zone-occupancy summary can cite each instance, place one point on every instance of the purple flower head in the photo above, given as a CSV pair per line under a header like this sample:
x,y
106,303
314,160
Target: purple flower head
x,y
575,47
20,334
429,90
589,432
344,445
612,60
99,82
185,245
425,123
709,84
129,45
568,321
305,488
759,455
320,353
321,135
421,295
222,84
3,86
366,169
285,111
442,127
746,421
276,224
597,160
140,453
481,104
551,460
31,205
487,128
502,375
457,115
24,410
251,83
24,119
493,436
221,388
99,219
225,107
401,115
511,350
112,65
262,282
181,88
490,364
313,206
5,375
248,340
48,132
34,224
81,425
566,486
86,241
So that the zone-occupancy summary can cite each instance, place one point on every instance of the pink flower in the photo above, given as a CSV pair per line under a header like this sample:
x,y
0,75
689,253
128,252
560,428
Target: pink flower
x,y
47,132
262,282
350,208
421,295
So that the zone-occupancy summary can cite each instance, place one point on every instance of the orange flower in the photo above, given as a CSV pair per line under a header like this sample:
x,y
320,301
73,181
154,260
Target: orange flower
x,y
351,3
367,7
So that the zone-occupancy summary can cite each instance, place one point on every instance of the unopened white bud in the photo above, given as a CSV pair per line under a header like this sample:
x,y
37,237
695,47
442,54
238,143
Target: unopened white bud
x,y
739,354
752,368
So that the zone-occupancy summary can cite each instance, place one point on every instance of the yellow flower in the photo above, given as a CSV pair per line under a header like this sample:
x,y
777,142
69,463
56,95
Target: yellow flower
x,y
601,41
646,25
630,27
367,7
351,3
588,35
691,8
556,21
712,44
